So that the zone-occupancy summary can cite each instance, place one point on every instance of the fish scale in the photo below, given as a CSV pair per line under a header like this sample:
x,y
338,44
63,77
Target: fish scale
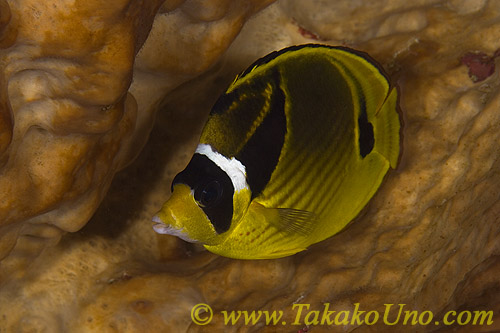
x,y
308,139
315,187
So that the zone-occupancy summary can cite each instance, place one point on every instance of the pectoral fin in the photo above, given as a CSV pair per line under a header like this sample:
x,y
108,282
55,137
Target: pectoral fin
x,y
294,221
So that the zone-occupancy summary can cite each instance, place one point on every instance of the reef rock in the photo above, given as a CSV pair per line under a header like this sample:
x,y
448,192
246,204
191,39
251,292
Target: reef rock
x,y
69,118
429,241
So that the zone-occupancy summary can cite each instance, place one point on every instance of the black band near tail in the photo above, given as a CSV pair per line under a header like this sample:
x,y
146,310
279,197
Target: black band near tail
x,y
366,137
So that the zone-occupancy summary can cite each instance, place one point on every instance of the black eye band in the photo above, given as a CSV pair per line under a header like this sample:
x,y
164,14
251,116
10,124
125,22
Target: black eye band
x,y
213,190
209,194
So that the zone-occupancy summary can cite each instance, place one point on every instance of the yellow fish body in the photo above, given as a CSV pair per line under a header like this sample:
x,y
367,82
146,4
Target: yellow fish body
x,y
290,154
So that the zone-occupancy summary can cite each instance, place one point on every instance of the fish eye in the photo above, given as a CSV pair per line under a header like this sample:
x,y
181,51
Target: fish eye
x,y
208,194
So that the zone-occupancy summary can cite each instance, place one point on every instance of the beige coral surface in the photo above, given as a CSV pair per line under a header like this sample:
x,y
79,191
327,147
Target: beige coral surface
x,y
430,238
70,118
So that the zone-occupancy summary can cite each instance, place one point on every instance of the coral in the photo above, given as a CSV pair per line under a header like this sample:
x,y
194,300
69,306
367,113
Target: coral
x,y
430,238
68,120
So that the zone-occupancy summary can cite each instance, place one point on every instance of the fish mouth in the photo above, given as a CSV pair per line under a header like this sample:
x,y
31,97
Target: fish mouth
x,y
164,229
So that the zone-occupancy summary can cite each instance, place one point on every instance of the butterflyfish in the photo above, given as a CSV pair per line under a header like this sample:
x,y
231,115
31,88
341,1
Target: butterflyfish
x,y
290,154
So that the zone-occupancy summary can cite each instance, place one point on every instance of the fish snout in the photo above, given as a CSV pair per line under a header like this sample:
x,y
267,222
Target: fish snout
x,y
165,224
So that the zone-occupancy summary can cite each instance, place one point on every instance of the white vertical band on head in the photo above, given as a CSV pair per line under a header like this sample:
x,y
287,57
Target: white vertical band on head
x,y
232,167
